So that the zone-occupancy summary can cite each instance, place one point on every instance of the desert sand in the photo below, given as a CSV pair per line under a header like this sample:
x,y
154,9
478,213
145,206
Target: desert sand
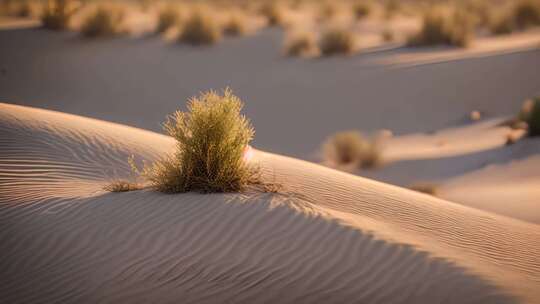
x,y
330,236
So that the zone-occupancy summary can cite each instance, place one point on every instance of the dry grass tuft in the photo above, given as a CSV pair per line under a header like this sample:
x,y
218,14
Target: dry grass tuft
x,y
336,41
168,17
236,25
57,14
441,27
351,148
530,113
361,10
122,186
301,44
427,188
201,28
526,13
211,139
274,12
104,21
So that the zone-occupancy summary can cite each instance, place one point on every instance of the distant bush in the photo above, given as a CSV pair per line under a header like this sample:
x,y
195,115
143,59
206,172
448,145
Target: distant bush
x,y
122,186
328,10
236,25
104,21
361,10
427,188
273,12
57,14
501,24
301,44
352,148
168,17
530,113
526,14
200,28
211,139
440,27
336,41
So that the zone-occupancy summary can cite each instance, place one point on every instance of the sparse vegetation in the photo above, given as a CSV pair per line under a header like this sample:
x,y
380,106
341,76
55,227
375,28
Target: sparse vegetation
x,y
236,25
440,27
168,17
104,21
530,114
427,188
361,10
526,13
351,148
274,13
57,14
211,139
336,41
200,29
301,44
122,186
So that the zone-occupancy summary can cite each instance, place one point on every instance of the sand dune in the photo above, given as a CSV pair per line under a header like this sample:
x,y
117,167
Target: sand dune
x,y
333,238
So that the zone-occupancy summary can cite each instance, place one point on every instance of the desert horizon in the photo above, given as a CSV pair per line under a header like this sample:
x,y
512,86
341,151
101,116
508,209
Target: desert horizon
x,y
287,151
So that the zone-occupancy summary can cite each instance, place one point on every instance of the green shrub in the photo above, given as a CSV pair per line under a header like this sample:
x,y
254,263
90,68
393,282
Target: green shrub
x,y
57,14
352,148
440,27
336,41
211,139
526,14
301,44
200,29
168,17
104,21
236,25
361,10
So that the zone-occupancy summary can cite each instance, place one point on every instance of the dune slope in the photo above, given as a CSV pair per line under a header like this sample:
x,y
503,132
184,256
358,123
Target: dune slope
x,y
331,238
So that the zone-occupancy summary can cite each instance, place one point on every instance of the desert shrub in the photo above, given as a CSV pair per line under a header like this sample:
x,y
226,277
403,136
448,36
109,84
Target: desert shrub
x,y
168,17
236,25
301,44
336,41
104,21
387,35
274,13
122,186
57,14
211,138
361,10
200,28
502,24
352,148
328,10
526,13
530,114
441,27
427,188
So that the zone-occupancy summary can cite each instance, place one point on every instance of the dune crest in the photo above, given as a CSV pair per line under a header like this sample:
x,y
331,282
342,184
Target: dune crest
x,y
338,239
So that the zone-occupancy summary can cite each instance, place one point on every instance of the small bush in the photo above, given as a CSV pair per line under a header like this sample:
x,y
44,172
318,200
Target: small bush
x,y
104,21
361,10
210,142
200,29
236,25
530,113
502,24
336,41
427,188
526,14
352,148
168,17
387,35
122,186
440,27
274,13
57,14
301,44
